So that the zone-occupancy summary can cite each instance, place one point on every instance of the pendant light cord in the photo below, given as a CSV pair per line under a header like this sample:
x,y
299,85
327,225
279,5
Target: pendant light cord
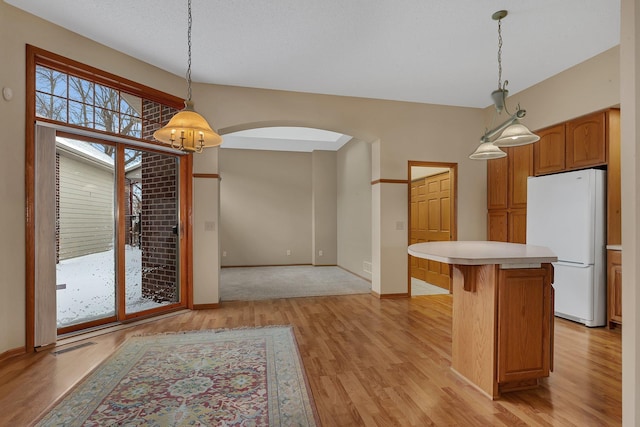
x,y
189,50
499,53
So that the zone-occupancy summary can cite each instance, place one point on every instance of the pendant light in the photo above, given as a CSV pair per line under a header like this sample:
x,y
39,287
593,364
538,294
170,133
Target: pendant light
x,y
512,132
187,130
487,151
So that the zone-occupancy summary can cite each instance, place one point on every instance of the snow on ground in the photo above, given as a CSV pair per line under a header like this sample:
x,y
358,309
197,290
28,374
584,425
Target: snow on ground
x,y
90,287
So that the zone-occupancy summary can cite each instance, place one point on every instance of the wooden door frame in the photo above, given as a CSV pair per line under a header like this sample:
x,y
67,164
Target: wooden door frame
x,y
453,170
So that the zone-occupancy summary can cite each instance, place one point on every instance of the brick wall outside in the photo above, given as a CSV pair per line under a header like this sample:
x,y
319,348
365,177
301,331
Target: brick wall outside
x,y
159,216
155,116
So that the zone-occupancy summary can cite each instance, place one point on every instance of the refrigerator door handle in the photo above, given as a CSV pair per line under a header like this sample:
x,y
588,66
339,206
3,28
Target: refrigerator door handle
x,y
572,264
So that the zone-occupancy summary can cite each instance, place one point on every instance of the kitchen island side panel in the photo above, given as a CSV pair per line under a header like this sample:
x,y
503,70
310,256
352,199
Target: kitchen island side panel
x,y
474,326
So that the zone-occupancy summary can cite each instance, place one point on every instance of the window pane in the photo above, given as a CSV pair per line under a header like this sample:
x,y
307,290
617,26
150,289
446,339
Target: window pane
x,y
80,90
130,104
80,114
107,120
151,209
51,81
131,126
51,107
85,273
107,98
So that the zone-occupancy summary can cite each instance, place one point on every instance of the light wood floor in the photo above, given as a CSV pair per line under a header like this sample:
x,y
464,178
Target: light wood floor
x,y
369,362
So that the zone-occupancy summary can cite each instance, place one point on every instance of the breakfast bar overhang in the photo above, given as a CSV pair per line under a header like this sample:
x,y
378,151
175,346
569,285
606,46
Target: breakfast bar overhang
x,y
502,321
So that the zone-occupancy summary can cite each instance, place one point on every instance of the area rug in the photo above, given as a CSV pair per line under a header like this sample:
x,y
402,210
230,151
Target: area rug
x,y
232,377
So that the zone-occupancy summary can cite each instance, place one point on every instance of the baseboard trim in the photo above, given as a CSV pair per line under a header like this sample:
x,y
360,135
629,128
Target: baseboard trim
x,y
390,296
205,306
13,352
355,274
265,265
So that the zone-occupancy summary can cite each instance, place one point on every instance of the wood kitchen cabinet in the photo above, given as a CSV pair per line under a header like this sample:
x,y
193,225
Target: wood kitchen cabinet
x,y
497,183
524,303
502,329
586,142
507,194
549,152
614,287
577,144
502,322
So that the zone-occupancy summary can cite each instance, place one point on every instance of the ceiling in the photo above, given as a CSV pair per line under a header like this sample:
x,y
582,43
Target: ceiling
x,y
428,51
285,139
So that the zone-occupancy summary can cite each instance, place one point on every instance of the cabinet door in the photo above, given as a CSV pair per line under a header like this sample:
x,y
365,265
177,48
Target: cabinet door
x,y
524,336
586,142
520,168
614,286
518,226
497,187
497,226
549,152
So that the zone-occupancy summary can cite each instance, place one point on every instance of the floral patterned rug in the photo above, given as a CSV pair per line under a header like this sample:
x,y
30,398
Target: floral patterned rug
x,y
231,377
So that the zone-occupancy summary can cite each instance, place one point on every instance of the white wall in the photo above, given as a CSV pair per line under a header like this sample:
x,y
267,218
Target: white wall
x,y
206,228
354,207
630,141
324,221
265,207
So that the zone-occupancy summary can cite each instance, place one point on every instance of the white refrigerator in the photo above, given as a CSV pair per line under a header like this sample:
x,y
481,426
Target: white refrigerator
x,y
566,212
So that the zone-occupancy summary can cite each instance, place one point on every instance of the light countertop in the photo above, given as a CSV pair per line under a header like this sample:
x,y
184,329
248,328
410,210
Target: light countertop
x,y
482,252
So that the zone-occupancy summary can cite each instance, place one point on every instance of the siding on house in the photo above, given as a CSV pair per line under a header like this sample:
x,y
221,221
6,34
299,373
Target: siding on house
x,y
86,207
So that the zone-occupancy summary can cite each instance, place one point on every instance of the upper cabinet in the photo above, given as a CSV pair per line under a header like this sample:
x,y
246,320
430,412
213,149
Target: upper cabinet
x,y
586,143
549,152
589,141
578,144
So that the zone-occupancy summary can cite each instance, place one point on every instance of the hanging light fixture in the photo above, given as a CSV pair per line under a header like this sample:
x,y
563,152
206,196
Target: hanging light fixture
x,y
487,151
512,132
187,130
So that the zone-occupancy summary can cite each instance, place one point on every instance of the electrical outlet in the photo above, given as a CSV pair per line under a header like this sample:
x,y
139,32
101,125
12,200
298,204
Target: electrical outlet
x,y
224,253
320,253
288,252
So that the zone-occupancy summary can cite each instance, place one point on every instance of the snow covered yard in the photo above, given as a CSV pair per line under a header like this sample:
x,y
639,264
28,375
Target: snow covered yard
x,y
86,287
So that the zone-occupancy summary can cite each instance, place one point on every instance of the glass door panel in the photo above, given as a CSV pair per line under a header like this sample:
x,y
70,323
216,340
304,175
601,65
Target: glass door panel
x,y
85,205
151,230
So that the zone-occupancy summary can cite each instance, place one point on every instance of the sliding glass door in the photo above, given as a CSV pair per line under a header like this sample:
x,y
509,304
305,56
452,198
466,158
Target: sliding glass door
x,y
117,232
85,232
151,261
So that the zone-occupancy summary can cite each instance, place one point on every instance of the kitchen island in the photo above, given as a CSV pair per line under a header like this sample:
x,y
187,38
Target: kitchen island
x,y
502,321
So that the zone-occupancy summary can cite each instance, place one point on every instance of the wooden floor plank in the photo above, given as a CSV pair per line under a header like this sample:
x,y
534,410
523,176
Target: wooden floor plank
x,y
369,362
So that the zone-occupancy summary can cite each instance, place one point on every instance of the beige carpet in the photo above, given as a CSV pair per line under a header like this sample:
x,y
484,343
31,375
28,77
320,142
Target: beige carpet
x,y
258,283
